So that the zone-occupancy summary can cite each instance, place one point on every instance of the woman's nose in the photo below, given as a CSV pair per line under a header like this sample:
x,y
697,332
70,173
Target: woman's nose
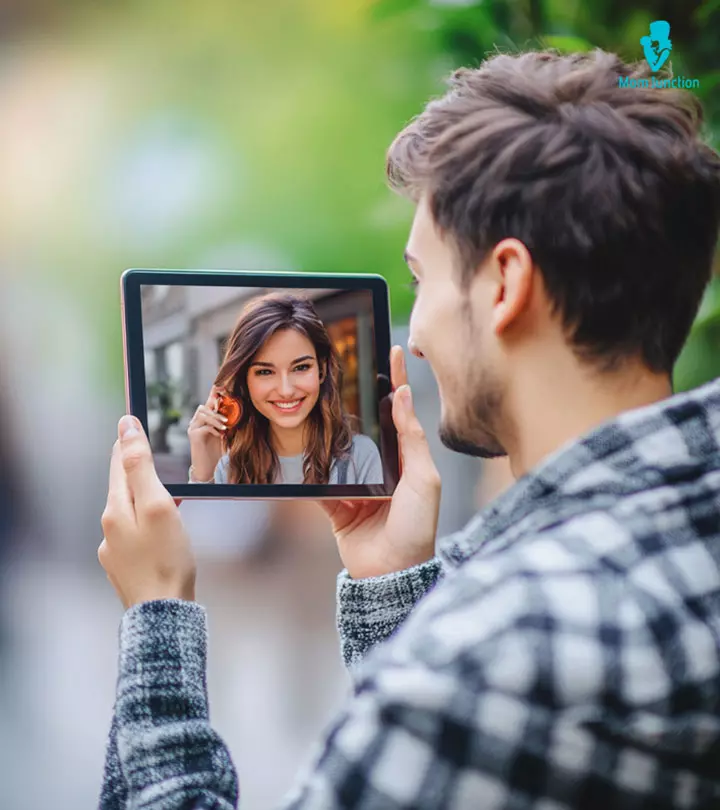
x,y
285,387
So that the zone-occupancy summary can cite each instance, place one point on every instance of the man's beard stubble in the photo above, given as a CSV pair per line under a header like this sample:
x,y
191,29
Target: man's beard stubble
x,y
471,436
474,433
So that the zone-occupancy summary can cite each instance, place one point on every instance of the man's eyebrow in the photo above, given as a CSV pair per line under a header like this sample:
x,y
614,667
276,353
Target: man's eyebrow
x,y
272,365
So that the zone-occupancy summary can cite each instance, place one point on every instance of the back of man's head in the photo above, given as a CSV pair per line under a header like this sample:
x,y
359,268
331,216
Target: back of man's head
x,y
610,187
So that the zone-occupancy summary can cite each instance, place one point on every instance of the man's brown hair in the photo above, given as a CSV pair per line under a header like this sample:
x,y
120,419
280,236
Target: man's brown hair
x,y
610,187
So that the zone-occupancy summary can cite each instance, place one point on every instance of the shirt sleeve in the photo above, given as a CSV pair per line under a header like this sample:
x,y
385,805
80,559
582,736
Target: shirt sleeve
x,y
455,716
491,697
371,610
163,752
113,795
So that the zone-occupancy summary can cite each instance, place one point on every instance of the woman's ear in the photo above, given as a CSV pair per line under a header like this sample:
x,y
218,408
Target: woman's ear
x,y
323,369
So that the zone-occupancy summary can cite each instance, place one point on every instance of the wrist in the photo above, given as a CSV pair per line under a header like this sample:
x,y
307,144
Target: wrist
x,y
388,565
160,593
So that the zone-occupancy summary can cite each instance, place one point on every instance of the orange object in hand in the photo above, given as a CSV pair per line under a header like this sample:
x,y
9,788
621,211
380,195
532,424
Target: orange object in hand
x,y
230,408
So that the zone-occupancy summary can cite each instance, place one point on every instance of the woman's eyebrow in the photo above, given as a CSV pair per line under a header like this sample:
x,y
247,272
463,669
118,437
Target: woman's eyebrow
x,y
272,365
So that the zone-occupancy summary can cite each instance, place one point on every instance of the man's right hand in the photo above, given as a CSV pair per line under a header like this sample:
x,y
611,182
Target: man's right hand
x,y
379,537
205,432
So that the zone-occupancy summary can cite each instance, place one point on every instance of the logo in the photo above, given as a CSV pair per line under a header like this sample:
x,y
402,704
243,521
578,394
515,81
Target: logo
x,y
657,46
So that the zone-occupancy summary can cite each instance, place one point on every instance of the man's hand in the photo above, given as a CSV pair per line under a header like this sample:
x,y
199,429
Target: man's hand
x,y
146,552
378,537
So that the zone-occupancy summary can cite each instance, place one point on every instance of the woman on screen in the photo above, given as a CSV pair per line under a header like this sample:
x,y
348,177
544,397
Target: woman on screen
x,y
282,368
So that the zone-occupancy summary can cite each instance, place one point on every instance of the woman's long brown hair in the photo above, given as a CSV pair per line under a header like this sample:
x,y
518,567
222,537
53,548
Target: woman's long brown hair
x,y
252,459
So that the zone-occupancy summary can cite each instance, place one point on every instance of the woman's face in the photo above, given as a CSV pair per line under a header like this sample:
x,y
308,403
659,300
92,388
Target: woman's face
x,y
284,379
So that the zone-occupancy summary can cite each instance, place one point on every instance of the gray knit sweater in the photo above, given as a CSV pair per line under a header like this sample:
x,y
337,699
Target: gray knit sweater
x,y
563,651
162,754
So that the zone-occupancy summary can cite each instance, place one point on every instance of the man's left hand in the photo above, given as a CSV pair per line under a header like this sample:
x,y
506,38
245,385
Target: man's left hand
x,y
146,551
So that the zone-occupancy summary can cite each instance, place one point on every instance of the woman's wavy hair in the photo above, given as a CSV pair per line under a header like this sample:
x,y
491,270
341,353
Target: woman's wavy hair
x,y
252,459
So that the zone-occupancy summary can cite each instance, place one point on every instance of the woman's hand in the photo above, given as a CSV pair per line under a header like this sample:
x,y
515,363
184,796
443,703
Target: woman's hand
x,y
378,537
146,552
205,432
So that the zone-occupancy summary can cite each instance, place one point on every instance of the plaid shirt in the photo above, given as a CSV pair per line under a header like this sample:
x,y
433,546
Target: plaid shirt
x,y
563,651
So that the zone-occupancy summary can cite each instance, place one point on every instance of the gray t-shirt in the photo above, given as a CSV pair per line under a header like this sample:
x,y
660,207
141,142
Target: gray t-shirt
x,y
365,466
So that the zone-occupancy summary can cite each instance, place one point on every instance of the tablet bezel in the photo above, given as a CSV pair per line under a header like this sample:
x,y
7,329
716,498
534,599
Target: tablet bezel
x,y
136,390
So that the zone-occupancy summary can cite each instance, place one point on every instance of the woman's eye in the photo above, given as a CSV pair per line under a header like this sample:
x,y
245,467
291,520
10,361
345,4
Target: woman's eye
x,y
303,367
261,372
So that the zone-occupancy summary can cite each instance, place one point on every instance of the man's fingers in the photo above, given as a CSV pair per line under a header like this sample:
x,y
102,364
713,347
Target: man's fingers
x,y
417,460
119,501
340,513
398,369
103,552
105,559
143,483
334,508
406,422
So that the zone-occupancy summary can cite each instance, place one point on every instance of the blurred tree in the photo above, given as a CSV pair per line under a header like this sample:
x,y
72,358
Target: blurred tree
x,y
138,134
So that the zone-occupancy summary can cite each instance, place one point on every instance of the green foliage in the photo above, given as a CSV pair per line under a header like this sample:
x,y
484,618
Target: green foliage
x,y
471,31
567,44
229,134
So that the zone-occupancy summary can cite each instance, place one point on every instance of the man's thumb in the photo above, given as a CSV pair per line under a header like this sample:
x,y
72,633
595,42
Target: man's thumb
x,y
128,427
418,467
410,431
137,458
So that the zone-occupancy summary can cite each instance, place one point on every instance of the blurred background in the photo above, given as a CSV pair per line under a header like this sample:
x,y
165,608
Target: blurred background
x,y
216,134
185,333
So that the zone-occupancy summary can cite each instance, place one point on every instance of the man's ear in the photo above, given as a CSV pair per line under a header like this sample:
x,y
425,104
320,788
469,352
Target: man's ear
x,y
516,269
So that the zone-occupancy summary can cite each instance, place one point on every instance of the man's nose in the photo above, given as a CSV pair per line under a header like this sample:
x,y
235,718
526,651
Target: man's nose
x,y
413,349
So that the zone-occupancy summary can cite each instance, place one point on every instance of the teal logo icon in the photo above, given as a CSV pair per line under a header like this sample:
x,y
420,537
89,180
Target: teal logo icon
x,y
657,46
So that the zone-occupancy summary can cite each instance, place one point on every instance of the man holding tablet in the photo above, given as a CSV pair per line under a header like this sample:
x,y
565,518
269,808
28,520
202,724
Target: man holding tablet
x,y
562,651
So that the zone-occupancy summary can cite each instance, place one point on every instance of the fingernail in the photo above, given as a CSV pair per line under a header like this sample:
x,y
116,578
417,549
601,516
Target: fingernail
x,y
223,427
224,418
128,427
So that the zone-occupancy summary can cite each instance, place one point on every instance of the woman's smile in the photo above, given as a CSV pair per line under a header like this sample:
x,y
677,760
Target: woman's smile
x,y
289,405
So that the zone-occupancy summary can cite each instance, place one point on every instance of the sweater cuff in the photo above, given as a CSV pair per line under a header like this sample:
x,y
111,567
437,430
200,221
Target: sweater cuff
x,y
163,651
370,610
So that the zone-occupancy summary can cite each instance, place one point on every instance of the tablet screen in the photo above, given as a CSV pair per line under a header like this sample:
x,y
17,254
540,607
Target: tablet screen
x,y
265,386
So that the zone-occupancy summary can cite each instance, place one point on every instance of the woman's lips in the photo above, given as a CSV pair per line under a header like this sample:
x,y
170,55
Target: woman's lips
x,y
285,409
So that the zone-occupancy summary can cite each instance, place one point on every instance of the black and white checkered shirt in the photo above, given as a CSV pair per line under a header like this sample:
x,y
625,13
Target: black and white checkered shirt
x,y
563,651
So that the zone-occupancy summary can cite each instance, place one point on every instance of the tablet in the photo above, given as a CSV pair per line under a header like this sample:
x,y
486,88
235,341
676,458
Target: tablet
x,y
262,385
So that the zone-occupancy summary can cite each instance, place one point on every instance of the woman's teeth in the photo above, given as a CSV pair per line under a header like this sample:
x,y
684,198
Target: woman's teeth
x,y
287,406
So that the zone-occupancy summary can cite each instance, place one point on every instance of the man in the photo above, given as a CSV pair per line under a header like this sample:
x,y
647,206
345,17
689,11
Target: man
x,y
563,651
